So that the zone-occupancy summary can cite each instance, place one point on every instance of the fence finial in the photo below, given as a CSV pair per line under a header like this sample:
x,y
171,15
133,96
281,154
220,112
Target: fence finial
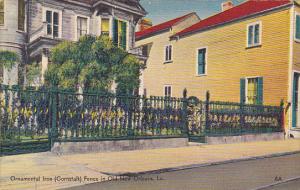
x,y
207,95
282,103
185,93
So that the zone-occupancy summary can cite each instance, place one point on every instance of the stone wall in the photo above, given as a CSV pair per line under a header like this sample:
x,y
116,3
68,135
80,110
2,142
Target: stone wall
x,y
117,145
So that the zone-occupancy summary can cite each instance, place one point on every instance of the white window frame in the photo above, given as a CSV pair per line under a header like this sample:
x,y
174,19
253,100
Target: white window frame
x,y
164,90
206,61
295,27
260,34
88,25
45,9
246,86
165,53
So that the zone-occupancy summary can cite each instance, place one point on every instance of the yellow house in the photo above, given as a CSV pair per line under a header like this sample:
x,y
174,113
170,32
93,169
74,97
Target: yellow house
x,y
248,53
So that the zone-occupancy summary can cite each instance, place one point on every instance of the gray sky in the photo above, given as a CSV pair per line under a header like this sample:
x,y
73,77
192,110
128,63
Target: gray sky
x,y
163,10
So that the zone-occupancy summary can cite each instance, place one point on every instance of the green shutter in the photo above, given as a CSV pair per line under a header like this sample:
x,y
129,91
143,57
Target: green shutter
x,y
242,91
115,32
124,35
260,91
298,27
295,100
250,35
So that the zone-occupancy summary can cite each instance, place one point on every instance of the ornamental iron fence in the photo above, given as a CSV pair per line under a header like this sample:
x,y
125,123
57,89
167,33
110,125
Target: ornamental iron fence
x,y
24,124
33,119
215,118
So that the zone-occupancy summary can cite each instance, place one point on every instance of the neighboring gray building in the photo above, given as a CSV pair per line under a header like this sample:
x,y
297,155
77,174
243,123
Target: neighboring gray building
x,y
32,27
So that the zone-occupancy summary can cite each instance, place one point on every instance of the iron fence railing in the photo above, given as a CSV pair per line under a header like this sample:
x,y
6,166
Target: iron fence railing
x,y
47,115
96,116
215,118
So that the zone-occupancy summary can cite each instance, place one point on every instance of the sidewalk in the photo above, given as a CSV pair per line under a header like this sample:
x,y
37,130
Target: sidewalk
x,y
96,165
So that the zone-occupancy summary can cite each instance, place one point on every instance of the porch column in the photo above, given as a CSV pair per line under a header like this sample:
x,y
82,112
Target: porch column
x,y
45,61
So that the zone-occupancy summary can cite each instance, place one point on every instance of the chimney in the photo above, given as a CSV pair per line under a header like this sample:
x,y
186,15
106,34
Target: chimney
x,y
144,24
226,5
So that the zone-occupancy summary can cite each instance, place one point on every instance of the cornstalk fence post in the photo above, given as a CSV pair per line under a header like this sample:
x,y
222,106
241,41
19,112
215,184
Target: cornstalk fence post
x,y
186,130
282,114
242,118
53,115
206,127
130,104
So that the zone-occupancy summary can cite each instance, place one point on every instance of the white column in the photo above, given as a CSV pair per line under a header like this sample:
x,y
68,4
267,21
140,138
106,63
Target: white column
x,y
142,86
45,61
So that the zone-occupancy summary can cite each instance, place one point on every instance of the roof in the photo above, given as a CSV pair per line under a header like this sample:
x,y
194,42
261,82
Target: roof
x,y
243,10
160,27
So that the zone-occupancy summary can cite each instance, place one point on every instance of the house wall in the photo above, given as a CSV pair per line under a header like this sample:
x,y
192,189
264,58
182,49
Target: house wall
x,y
228,60
11,39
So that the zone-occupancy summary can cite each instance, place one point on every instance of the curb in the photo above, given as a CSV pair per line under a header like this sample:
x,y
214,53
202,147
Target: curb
x,y
187,167
278,183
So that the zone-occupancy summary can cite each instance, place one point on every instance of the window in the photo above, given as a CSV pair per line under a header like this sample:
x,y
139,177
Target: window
x,y
254,34
252,90
120,34
52,19
105,26
168,91
168,53
297,33
82,26
201,61
21,15
1,12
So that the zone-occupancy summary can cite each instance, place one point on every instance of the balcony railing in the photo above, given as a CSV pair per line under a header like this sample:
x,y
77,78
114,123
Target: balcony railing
x,y
140,52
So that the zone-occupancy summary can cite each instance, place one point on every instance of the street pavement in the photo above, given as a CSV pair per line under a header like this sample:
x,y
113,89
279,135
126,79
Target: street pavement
x,y
64,171
244,175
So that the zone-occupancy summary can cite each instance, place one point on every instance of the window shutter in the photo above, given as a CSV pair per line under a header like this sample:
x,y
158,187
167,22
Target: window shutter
x,y
256,33
298,27
49,22
115,32
124,35
170,53
295,100
166,53
242,91
250,35
260,89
